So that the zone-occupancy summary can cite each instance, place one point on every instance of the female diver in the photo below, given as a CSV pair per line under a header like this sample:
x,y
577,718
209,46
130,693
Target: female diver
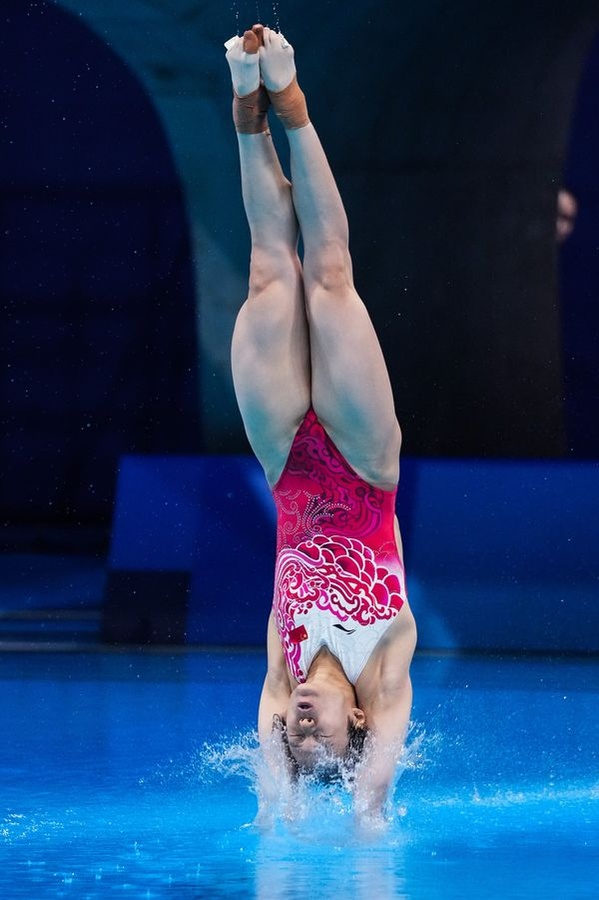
x,y
318,410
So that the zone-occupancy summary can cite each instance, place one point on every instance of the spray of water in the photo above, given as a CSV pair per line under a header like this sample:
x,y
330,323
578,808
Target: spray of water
x,y
313,804
275,15
276,21
235,11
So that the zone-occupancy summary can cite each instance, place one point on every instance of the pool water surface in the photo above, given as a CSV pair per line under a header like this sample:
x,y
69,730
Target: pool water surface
x,y
122,774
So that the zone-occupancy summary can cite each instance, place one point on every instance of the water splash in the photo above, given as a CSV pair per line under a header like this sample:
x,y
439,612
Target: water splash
x,y
229,757
235,11
21,827
314,805
542,795
276,25
275,15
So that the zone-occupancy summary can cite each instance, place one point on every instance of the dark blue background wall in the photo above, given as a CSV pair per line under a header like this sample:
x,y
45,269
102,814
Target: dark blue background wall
x,y
579,270
449,151
96,283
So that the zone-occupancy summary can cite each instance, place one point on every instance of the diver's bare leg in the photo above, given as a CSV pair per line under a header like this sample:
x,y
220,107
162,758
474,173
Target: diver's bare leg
x,y
270,352
351,392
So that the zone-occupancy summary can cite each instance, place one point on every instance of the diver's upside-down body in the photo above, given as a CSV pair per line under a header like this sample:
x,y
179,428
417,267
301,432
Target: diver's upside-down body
x,y
317,405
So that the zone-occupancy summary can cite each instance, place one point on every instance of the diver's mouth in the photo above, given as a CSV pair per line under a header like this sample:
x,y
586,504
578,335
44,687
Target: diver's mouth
x,y
304,707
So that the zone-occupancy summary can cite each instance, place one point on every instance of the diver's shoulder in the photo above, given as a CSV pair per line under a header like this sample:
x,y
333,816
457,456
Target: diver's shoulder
x,y
389,664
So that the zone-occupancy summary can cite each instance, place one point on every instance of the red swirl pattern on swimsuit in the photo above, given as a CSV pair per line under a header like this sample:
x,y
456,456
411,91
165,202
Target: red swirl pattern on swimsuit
x,y
336,546
335,574
319,492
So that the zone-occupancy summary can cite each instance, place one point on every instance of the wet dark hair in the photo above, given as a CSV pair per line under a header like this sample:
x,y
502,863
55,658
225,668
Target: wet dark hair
x,y
357,736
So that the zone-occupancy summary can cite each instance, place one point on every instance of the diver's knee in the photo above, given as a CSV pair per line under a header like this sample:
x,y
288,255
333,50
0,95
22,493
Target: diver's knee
x,y
271,272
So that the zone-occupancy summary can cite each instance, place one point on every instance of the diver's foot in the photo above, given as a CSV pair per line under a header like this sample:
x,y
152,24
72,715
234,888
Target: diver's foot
x,y
243,58
277,67
277,64
259,32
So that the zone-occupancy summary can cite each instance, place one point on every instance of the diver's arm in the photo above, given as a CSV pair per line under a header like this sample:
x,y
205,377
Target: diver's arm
x,y
273,778
388,718
276,689
385,696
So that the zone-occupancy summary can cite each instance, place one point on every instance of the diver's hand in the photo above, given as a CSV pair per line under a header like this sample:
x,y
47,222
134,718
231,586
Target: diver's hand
x,y
275,784
371,796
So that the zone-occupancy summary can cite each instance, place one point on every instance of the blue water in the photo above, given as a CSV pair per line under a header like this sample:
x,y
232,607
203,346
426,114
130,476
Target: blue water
x,y
107,788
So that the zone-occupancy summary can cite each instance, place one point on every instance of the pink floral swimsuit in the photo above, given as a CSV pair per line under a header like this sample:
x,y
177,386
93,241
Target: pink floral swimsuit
x,y
339,580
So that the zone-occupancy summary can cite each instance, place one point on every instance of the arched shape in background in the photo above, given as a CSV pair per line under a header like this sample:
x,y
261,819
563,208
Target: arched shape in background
x,y
446,125
96,281
448,137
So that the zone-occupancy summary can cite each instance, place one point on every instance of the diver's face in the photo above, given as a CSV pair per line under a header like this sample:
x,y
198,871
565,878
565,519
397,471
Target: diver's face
x,y
317,721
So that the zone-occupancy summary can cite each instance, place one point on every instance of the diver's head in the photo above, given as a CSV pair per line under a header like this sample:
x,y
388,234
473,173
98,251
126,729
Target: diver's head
x,y
323,728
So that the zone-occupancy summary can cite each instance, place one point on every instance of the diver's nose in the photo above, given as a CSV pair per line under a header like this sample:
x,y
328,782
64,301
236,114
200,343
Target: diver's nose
x,y
306,722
